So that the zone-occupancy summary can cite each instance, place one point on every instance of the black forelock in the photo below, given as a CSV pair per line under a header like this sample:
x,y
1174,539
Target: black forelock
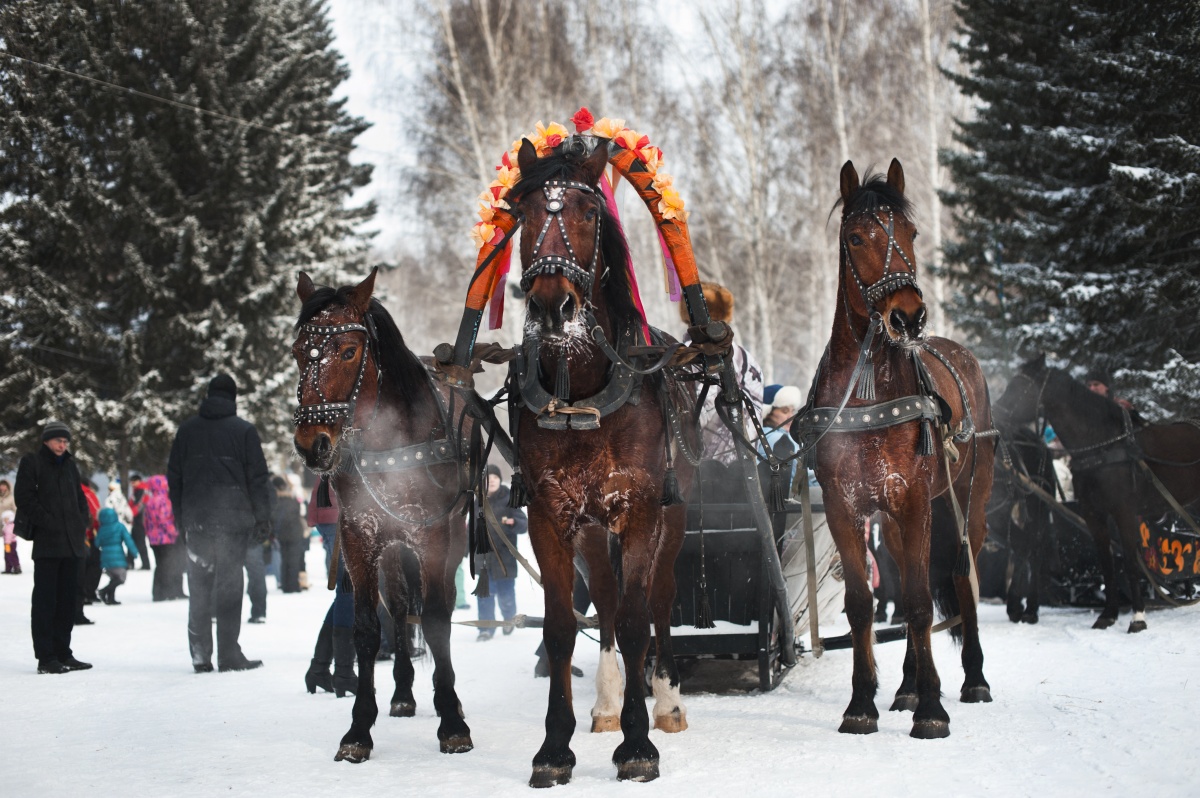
x,y
876,192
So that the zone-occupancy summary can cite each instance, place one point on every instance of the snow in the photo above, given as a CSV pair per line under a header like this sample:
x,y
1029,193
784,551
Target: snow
x,y
1076,712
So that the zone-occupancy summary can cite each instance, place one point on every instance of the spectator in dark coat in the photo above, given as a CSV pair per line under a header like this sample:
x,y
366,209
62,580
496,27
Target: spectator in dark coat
x,y
500,564
289,531
49,494
221,494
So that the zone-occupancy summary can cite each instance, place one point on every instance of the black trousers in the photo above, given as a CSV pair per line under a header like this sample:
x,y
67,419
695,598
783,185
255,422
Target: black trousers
x,y
215,590
169,562
291,563
55,591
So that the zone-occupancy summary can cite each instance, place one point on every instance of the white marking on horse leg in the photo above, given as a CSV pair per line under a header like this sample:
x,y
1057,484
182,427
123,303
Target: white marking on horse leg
x,y
1139,616
606,714
670,715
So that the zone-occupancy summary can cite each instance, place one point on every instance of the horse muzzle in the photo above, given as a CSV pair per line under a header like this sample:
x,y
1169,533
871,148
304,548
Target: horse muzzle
x,y
553,317
904,327
319,451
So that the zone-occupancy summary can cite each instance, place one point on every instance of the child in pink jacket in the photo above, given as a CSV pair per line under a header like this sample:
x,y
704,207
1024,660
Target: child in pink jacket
x,y
12,563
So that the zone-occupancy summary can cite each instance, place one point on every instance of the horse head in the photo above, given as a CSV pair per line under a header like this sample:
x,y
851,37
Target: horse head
x,y
563,214
333,350
876,242
1022,398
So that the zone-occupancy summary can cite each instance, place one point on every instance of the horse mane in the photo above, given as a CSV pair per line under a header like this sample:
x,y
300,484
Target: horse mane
x,y
875,192
567,163
1096,408
402,370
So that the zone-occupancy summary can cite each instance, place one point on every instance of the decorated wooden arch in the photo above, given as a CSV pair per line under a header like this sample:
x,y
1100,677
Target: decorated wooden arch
x,y
633,158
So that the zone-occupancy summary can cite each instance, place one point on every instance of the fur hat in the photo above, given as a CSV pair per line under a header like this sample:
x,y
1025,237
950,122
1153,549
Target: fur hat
x,y
223,385
719,300
788,396
55,429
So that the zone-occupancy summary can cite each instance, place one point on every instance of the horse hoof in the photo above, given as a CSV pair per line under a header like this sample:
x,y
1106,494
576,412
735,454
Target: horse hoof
x,y
638,770
905,702
860,724
673,722
1029,617
548,776
605,723
403,709
1015,617
930,729
353,752
980,694
1103,622
459,744
1137,626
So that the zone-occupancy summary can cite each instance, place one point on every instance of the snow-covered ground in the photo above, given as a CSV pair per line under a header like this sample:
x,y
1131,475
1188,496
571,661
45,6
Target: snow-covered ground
x,y
1077,712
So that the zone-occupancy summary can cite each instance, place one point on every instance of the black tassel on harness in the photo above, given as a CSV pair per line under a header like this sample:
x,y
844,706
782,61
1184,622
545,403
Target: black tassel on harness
x,y
562,381
777,495
671,494
962,567
323,497
483,586
483,542
517,495
866,383
704,614
925,442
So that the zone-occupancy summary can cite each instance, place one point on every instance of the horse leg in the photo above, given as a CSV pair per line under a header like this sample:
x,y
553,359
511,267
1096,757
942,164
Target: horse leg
x,y
454,736
1018,554
636,757
906,694
356,744
1037,527
1127,527
930,719
861,716
670,714
1098,524
403,704
594,545
975,687
554,761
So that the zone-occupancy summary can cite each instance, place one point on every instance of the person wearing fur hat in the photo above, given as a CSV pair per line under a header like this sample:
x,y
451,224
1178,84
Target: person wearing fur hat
x,y
718,440
785,403
221,494
53,513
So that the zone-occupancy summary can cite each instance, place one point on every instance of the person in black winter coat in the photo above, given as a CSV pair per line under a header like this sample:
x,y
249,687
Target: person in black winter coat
x,y
53,510
289,531
500,564
221,496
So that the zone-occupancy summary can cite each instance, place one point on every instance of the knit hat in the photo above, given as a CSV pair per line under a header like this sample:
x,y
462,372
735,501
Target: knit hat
x,y
788,396
55,429
494,469
223,385
1098,374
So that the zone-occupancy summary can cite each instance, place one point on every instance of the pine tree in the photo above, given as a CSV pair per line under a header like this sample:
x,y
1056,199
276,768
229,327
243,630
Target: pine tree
x,y
151,245
1076,190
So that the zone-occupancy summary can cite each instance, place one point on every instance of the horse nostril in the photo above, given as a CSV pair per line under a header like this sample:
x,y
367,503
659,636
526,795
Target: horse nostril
x,y
321,445
899,322
567,308
919,322
536,309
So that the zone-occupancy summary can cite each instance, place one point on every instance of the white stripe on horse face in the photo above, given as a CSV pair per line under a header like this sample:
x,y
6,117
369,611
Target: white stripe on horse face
x,y
609,686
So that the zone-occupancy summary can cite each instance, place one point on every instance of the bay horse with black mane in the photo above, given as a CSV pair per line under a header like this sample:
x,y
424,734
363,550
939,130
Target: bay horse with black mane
x,y
392,445
1106,444
876,450
595,451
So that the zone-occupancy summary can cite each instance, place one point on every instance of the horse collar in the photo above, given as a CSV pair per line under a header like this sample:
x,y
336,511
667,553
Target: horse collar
x,y
325,411
569,266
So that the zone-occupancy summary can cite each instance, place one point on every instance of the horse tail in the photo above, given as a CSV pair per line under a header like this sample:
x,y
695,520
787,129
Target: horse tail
x,y
943,553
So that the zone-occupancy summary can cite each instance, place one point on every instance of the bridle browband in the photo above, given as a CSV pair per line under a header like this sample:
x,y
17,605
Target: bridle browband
x,y
325,411
568,267
890,282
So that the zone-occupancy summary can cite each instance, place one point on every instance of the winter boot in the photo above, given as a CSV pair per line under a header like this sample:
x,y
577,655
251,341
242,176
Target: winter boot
x,y
318,671
344,680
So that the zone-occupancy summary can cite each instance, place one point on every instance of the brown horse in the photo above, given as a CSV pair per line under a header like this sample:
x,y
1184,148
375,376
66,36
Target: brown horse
x,y
1105,444
372,421
875,451
594,451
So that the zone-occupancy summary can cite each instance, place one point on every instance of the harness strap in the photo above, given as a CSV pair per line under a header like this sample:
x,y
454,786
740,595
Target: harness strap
x,y
870,417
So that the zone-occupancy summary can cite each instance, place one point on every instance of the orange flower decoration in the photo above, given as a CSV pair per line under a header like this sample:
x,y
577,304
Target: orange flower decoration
x,y
608,128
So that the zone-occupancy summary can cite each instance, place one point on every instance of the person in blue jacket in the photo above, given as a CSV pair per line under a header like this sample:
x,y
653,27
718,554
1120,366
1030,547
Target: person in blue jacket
x,y
114,541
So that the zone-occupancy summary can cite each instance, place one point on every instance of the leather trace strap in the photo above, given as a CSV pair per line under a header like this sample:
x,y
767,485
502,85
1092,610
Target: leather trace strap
x,y
870,417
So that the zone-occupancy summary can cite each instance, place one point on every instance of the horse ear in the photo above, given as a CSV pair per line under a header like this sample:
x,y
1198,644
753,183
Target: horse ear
x,y
896,175
849,181
359,297
594,166
305,287
526,156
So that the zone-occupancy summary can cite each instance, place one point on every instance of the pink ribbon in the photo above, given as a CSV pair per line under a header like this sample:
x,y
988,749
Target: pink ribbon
x,y
669,274
611,201
496,305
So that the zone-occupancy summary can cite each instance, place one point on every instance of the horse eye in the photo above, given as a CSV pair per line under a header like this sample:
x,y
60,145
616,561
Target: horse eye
x,y
856,239
349,353
591,214
915,234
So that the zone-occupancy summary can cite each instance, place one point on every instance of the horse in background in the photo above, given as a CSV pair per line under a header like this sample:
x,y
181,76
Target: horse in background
x,y
1105,444
595,451
875,450
373,423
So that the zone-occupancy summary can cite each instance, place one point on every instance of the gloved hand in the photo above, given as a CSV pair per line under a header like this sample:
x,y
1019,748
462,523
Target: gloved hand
x,y
262,532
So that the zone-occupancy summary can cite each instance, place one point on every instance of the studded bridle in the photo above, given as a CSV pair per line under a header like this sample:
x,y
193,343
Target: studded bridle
x,y
891,281
569,267
326,411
